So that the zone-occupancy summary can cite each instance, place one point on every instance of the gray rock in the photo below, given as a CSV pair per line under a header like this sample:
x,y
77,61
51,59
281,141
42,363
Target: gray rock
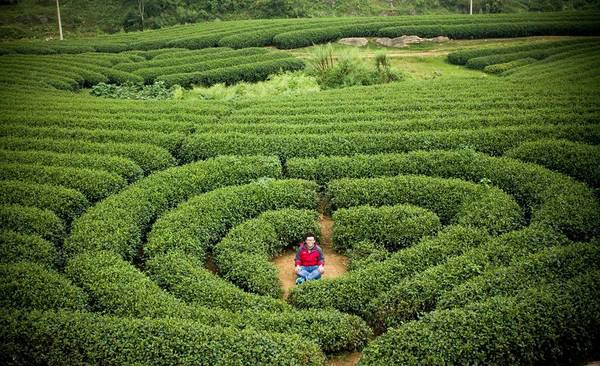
x,y
390,42
357,42
440,39
409,39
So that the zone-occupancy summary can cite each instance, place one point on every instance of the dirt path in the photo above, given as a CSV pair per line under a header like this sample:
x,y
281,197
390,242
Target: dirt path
x,y
335,264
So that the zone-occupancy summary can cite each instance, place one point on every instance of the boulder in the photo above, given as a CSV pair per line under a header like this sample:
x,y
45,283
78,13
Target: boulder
x,y
390,42
357,42
440,39
409,39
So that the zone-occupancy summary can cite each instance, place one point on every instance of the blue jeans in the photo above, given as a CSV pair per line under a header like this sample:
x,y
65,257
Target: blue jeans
x,y
309,272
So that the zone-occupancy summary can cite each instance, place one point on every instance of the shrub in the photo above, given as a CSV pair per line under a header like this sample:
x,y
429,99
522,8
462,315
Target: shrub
x,y
577,160
118,223
365,253
148,157
65,203
34,221
453,200
419,293
353,292
115,287
243,256
388,227
130,90
502,67
194,226
28,286
186,278
65,337
551,265
126,168
16,247
550,324
94,184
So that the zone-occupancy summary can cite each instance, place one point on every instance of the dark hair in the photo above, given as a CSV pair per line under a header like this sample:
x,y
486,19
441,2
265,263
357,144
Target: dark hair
x,y
309,235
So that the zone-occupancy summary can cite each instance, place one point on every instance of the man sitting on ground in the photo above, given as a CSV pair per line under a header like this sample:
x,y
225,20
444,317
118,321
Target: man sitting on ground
x,y
310,261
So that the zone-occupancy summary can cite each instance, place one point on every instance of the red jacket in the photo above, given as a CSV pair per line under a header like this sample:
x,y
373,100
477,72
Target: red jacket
x,y
314,257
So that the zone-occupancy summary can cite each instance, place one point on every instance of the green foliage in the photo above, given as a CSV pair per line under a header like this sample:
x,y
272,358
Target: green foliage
x,y
196,225
94,184
28,286
118,223
418,294
117,288
577,160
502,67
388,227
65,337
365,253
16,247
131,90
33,221
243,256
547,324
353,292
65,203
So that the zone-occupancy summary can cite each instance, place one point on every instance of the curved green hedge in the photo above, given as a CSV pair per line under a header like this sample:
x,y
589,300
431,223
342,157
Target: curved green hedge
x,y
119,222
124,167
389,227
419,293
243,256
453,200
353,292
94,184
493,141
65,203
502,67
577,160
17,247
553,324
497,30
116,287
555,264
148,157
68,338
196,225
32,220
28,286
185,277
549,198
250,72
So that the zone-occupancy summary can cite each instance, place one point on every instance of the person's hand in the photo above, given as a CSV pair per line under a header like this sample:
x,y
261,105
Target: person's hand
x,y
321,269
297,269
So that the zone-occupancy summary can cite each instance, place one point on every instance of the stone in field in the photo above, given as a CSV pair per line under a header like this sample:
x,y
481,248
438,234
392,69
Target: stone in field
x,y
357,42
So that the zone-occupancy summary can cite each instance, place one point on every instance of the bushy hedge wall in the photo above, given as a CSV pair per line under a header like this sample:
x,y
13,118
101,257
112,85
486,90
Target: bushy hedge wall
x,y
65,203
494,141
388,227
28,286
119,222
353,292
94,184
365,253
17,247
31,220
418,294
502,67
124,167
243,256
148,157
69,338
552,199
453,200
185,277
116,287
497,30
201,222
577,160
555,324
555,264
251,72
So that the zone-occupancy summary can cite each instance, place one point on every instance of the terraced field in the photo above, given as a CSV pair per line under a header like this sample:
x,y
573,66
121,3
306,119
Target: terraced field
x,y
468,205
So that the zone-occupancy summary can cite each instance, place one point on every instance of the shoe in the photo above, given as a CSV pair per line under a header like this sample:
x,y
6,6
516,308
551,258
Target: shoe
x,y
299,280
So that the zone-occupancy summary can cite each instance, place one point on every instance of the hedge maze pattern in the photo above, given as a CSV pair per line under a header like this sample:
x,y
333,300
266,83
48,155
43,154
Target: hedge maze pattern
x,y
469,209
